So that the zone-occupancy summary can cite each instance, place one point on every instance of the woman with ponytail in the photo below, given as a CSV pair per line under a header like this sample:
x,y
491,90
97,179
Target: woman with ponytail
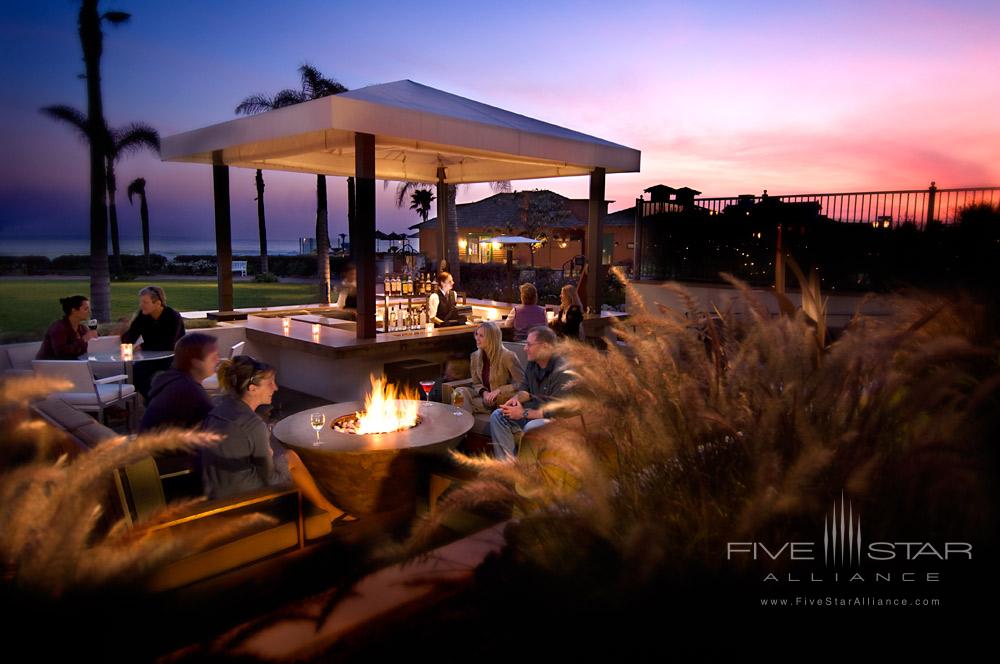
x,y
244,460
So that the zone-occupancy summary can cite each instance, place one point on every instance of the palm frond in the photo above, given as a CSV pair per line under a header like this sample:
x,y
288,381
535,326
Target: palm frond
x,y
71,116
132,138
116,17
137,187
254,104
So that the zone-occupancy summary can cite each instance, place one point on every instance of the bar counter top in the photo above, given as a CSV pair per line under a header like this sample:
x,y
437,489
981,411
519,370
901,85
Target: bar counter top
x,y
337,338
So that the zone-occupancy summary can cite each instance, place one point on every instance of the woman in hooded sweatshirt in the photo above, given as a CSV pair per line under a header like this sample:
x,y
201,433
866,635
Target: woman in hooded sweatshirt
x,y
244,460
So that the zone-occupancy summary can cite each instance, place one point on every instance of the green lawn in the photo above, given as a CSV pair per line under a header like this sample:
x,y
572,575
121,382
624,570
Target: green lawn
x,y
28,306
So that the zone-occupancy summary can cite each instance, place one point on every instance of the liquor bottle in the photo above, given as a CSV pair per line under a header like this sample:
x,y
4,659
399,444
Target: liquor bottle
x,y
397,287
407,285
386,285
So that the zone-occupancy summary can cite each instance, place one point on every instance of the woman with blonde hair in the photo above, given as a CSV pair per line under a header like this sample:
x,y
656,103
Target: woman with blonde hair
x,y
244,460
569,322
495,372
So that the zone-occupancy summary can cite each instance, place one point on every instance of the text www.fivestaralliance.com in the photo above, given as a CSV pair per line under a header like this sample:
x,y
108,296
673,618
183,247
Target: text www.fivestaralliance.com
x,y
848,602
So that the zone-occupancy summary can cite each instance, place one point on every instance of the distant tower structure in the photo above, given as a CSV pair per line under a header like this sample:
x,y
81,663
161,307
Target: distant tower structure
x,y
685,196
659,193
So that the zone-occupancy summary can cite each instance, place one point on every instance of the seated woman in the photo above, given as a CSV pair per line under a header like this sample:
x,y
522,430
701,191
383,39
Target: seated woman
x,y
177,397
569,322
66,339
495,372
526,316
347,296
244,460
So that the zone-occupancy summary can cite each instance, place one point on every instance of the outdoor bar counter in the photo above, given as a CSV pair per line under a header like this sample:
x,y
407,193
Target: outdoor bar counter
x,y
334,364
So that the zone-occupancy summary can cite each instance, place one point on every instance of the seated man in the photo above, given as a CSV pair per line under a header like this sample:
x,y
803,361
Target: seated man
x,y
176,397
546,379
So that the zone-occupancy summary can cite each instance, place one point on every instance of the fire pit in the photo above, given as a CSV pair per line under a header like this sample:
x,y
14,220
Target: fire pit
x,y
367,472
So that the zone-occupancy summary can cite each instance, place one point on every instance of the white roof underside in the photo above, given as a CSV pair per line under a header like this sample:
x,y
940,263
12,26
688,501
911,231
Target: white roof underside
x,y
416,129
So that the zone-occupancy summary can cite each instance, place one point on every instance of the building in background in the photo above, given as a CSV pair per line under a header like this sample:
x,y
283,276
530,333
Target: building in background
x,y
560,224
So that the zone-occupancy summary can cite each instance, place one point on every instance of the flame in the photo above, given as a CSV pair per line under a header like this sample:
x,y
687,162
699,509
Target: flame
x,y
387,410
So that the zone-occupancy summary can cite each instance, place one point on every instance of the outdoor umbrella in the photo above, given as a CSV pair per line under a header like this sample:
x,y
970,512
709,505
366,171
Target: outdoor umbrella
x,y
509,241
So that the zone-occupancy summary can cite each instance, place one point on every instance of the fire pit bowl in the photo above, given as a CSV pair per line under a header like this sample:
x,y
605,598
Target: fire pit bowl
x,y
372,473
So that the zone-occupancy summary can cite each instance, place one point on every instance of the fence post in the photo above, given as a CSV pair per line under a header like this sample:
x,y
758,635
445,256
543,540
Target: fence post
x,y
779,264
931,196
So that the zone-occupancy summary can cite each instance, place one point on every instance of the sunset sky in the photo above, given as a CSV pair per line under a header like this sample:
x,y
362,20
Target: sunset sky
x,y
724,97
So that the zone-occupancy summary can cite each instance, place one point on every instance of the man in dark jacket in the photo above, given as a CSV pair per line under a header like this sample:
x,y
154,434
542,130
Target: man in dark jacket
x,y
160,328
177,397
547,379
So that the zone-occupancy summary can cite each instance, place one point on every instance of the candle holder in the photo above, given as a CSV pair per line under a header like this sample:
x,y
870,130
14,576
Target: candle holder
x,y
550,315
315,329
429,328
126,352
286,325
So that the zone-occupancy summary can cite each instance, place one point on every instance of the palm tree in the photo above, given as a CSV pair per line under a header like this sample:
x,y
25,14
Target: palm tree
x,y
261,225
420,200
450,254
251,106
138,187
313,85
121,142
92,43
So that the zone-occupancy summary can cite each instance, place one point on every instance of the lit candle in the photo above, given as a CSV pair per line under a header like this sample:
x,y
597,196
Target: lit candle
x,y
429,327
550,315
286,325
315,329
126,351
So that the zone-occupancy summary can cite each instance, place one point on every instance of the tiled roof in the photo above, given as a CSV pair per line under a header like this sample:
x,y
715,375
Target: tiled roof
x,y
501,210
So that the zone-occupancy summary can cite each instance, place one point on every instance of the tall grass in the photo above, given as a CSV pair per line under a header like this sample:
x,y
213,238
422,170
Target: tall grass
x,y
709,427
52,503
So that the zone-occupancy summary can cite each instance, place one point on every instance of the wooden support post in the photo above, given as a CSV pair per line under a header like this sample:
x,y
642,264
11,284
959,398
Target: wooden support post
x,y
362,232
595,232
442,210
223,236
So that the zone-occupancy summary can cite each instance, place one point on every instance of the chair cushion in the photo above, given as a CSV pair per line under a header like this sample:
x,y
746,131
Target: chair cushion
x,y
481,424
93,433
109,394
62,414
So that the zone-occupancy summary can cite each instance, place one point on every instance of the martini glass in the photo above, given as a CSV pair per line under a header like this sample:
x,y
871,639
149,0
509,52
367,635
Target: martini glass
x,y
427,386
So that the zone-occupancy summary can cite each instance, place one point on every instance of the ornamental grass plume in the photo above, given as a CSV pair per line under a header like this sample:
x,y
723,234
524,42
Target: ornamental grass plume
x,y
708,427
51,539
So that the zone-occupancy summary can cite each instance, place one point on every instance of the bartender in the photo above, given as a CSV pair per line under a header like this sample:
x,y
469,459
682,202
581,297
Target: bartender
x,y
347,297
442,309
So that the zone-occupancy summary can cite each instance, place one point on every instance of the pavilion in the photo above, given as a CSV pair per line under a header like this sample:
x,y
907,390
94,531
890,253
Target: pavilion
x,y
398,131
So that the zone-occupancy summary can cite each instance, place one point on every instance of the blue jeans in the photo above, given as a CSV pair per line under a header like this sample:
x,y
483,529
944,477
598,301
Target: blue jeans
x,y
503,431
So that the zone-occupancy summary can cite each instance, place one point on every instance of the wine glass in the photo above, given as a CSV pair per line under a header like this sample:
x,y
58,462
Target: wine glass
x,y
316,421
92,324
427,386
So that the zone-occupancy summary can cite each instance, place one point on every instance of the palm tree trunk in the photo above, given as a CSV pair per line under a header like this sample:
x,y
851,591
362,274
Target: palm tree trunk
x,y
451,250
261,225
100,280
144,215
113,217
322,241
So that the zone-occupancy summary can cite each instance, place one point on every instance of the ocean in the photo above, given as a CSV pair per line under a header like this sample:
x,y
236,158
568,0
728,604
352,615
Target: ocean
x,y
62,245
52,246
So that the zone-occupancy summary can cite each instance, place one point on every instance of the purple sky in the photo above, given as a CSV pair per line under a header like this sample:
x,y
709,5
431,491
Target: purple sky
x,y
725,97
